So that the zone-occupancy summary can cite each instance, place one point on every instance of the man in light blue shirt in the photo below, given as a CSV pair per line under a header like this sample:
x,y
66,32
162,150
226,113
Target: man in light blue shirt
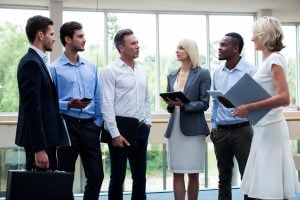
x,y
231,135
78,88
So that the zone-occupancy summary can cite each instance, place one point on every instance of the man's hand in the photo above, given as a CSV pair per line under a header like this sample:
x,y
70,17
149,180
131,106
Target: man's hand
x,y
77,103
120,141
41,159
213,133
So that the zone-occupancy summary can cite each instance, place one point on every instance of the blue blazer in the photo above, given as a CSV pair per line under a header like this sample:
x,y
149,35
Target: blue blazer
x,y
192,119
38,120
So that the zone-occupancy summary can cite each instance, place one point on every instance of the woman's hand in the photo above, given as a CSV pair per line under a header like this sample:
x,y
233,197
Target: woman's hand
x,y
177,102
241,111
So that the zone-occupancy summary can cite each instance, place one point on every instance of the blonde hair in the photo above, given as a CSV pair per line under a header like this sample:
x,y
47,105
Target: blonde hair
x,y
269,32
191,49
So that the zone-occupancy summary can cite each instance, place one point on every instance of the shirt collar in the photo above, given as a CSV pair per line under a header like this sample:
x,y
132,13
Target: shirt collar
x,y
65,60
239,66
40,53
121,63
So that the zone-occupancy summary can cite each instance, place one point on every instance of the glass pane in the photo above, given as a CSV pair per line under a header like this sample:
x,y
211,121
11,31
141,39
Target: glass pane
x,y
291,58
239,24
14,45
10,159
94,33
145,31
173,28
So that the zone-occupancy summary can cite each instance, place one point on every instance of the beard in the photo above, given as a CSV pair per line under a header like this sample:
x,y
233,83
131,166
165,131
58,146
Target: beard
x,y
48,47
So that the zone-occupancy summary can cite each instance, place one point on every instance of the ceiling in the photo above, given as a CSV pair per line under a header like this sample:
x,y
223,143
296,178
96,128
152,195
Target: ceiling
x,y
286,9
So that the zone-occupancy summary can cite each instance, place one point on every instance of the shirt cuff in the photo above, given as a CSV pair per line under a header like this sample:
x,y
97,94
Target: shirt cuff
x,y
63,105
98,122
213,125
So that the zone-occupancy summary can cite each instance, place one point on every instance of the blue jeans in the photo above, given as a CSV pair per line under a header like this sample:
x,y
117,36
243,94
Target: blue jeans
x,y
137,156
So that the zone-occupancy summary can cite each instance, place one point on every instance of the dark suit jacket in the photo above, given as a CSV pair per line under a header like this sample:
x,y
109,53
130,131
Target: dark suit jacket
x,y
38,120
192,119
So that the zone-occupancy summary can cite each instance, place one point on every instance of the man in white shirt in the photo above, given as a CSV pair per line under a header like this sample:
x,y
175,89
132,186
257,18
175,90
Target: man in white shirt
x,y
125,93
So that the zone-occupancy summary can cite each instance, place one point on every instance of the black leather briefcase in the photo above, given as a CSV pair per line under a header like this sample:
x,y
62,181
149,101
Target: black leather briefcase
x,y
39,185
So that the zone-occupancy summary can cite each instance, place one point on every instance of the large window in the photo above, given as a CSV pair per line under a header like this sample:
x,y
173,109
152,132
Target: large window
x,y
94,34
290,54
145,31
158,35
13,45
173,28
219,25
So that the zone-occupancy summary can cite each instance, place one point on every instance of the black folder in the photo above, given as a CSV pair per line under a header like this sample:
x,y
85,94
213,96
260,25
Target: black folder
x,y
128,128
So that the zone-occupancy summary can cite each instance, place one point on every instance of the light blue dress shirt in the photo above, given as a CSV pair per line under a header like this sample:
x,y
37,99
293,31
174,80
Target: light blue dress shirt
x,y
223,79
77,81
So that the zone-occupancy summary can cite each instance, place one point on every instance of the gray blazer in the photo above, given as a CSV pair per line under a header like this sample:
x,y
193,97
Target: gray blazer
x,y
192,119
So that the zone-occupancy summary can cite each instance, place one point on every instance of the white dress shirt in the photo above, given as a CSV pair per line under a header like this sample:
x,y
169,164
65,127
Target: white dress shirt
x,y
124,93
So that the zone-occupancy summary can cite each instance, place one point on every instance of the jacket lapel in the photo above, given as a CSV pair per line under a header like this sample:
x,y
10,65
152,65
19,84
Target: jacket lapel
x,y
172,79
44,69
43,66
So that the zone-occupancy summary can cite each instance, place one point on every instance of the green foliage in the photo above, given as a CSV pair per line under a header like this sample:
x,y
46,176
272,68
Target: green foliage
x,y
112,26
154,162
96,55
13,47
291,78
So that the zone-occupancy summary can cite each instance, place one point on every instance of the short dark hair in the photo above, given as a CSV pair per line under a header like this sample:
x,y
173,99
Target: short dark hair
x,y
68,29
119,37
236,39
35,24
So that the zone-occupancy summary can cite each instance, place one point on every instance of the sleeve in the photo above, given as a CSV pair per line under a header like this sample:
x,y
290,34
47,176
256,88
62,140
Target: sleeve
x,y
97,98
277,59
107,82
147,104
63,105
170,109
215,105
203,103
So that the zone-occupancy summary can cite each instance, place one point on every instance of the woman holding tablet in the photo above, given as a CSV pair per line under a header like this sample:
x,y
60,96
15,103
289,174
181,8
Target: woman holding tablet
x,y
187,126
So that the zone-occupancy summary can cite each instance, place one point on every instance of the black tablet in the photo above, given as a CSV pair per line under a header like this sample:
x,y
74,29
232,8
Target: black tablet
x,y
85,99
174,95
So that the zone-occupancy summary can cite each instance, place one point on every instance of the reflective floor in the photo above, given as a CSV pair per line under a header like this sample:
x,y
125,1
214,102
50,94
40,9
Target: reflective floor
x,y
208,194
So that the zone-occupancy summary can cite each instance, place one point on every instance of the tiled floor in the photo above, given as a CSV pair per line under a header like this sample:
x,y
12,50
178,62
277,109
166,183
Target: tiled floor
x,y
208,194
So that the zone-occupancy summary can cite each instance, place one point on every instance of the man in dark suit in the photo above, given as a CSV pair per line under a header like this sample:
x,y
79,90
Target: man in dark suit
x,y
38,121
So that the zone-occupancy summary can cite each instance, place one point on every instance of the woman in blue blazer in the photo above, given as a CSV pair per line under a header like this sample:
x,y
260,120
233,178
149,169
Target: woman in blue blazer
x,y
187,127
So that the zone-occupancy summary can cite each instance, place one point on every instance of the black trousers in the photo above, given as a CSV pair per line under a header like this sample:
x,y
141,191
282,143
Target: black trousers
x,y
30,159
137,156
85,139
230,143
